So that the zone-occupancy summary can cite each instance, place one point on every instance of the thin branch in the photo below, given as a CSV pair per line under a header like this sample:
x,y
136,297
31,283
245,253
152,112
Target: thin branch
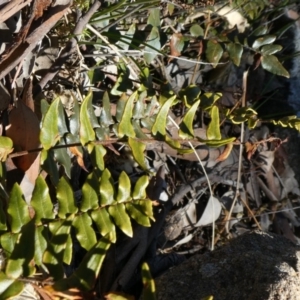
x,y
120,19
102,142
208,183
68,50
115,49
11,8
237,192
142,52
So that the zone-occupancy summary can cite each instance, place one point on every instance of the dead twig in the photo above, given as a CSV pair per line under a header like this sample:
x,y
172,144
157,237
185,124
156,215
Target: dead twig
x,y
68,50
237,194
26,44
11,8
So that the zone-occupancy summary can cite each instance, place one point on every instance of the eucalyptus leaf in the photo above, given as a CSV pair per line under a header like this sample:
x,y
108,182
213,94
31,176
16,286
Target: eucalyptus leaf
x,y
154,17
196,30
261,30
152,45
270,49
272,64
235,52
264,40
214,52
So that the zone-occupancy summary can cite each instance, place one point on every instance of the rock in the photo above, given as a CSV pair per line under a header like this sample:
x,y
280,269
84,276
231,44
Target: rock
x,y
256,265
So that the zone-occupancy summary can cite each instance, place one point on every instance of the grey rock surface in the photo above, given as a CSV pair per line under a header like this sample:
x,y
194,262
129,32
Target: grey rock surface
x,y
253,266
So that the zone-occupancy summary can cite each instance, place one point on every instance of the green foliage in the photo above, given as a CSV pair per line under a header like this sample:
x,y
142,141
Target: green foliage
x,y
47,234
17,209
214,52
6,145
46,224
291,121
149,291
9,287
186,126
53,125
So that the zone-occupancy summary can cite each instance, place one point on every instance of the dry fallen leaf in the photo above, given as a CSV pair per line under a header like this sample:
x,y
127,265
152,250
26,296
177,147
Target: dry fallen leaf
x,y
27,94
24,131
79,156
70,294
250,149
28,182
176,45
118,296
26,42
224,155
